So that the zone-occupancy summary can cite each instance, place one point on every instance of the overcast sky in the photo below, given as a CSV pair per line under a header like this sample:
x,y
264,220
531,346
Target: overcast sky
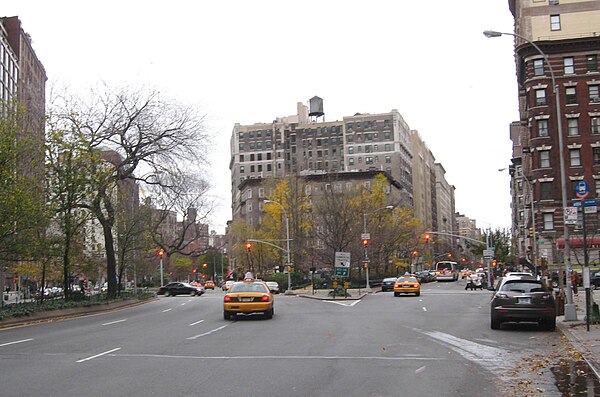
x,y
252,61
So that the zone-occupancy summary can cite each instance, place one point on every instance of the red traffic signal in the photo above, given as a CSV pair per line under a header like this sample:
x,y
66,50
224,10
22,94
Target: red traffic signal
x,y
249,246
415,253
205,265
161,252
427,237
365,242
194,270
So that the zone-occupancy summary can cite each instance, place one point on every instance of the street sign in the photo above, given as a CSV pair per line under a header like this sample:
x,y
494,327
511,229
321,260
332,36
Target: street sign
x,y
342,264
570,215
342,259
582,189
586,203
365,236
488,253
342,272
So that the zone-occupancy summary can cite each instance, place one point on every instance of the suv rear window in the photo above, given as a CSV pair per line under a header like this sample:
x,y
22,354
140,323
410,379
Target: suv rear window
x,y
523,286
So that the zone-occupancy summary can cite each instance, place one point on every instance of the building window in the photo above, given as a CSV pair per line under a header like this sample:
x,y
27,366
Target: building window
x,y
388,147
569,65
544,159
545,190
241,135
594,92
249,206
592,62
538,67
351,161
548,221
350,149
241,158
542,127
554,22
573,126
369,160
540,97
571,94
261,192
596,157
241,169
595,124
241,147
575,157
597,187
307,190
388,159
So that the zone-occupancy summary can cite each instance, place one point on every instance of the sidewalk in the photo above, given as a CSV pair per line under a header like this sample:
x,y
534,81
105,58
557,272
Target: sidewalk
x,y
588,343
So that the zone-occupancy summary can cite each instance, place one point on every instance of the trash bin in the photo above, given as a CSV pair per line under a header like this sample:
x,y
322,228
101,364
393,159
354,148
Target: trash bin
x,y
560,303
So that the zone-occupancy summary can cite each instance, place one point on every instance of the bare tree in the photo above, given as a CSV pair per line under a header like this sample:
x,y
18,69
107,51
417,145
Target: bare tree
x,y
132,135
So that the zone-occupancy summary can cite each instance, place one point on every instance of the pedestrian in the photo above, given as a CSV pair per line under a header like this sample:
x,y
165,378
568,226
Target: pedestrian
x,y
574,281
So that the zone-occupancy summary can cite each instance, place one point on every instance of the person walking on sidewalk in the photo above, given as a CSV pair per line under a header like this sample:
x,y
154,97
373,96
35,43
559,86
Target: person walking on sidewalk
x,y
574,281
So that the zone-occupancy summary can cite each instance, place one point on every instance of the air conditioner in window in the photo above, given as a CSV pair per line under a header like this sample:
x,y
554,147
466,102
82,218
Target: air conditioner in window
x,y
553,2
595,99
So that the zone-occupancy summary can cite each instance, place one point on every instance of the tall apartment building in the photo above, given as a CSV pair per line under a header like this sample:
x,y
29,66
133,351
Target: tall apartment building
x,y
568,33
301,145
20,65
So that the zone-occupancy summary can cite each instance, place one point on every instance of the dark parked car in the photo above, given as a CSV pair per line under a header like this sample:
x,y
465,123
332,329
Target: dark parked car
x,y
178,288
523,299
595,280
424,277
388,284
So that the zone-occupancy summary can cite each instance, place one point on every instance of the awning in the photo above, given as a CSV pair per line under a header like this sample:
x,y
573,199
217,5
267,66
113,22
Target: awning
x,y
577,242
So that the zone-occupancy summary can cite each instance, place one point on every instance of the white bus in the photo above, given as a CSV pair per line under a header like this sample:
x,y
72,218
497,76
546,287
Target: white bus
x,y
446,271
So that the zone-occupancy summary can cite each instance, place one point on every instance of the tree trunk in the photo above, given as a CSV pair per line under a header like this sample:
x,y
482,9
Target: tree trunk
x,y
111,261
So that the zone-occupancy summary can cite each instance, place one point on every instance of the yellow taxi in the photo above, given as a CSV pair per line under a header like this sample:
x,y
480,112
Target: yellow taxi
x,y
209,284
407,284
248,296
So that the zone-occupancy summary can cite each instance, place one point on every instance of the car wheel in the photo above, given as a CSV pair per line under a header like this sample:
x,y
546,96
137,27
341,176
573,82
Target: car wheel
x,y
396,293
167,294
226,315
418,293
269,313
193,293
549,324
496,323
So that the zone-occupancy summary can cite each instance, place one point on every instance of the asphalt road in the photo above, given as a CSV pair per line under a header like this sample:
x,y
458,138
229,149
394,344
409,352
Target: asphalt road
x,y
437,344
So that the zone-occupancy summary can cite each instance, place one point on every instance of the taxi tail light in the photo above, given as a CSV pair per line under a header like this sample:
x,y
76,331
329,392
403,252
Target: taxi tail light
x,y
415,285
265,298
227,298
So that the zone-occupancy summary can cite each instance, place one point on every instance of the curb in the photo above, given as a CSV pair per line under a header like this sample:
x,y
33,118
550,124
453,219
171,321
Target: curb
x,y
586,354
65,314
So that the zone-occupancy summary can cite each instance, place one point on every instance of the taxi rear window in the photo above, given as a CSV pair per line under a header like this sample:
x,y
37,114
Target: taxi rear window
x,y
248,288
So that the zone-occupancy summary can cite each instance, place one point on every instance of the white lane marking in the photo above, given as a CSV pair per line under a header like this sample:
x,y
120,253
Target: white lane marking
x,y
114,322
208,333
424,309
487,356
400,358
167,310
197,322
344,303
15,342
98,355
420,369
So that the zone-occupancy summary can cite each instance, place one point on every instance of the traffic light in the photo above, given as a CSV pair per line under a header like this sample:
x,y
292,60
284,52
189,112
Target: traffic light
x,y
194,270
530,232
427,237
205,265
415,253
494,263
365,265
161,252
365,242
249,247
449,255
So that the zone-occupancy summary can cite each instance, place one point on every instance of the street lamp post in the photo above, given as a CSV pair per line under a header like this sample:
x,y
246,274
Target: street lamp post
x,y
387,207
287,241
570,309
534,248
